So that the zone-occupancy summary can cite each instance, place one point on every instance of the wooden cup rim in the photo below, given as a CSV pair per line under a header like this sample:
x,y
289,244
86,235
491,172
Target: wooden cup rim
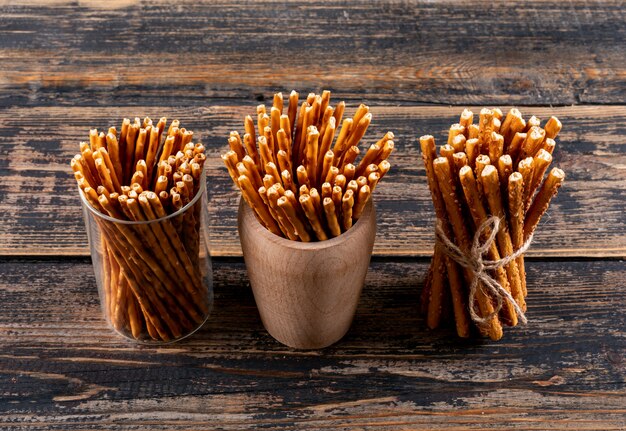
x,y
262,231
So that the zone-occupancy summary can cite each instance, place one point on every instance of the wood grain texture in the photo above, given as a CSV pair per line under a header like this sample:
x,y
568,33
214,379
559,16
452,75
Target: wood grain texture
x,y
542,52
62,368
41,214
307,293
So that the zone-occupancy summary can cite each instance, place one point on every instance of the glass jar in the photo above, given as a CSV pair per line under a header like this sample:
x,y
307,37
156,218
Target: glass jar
x,y
154,277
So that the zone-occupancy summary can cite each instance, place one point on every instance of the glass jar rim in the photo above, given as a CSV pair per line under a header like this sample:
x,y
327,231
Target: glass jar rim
x,y
201,192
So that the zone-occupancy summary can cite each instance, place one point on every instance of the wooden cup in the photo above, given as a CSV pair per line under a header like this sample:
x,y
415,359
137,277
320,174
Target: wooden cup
x,y
307,293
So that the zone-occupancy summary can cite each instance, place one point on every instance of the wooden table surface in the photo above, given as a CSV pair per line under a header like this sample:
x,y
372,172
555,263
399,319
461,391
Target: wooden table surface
x,y
66,67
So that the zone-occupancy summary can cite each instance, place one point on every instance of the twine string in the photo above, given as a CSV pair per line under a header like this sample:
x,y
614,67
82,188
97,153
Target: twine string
x,y
480,267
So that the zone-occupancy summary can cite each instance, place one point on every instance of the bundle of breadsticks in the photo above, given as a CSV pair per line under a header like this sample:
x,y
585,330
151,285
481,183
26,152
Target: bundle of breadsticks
x,y
489,194
302,183
151,274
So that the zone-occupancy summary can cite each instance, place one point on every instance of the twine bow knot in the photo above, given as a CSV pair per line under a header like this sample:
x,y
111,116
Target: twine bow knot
x,y
480,267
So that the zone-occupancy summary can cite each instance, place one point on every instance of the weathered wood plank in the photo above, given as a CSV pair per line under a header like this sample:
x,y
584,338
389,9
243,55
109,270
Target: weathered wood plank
x,y
538,52
62,368
41,214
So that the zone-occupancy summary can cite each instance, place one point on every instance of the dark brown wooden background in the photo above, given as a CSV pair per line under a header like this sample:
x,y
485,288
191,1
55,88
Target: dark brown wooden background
x,y
66,67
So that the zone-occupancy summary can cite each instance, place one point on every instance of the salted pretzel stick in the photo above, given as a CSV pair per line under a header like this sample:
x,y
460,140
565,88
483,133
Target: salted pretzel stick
x,y
455,130
349,171
347,202
151,153
370,157
359,130
491,187
324,127
104,155
361,200
548,190
139,146
444,178
429,153
297,139
505,167
532,144
312,154
292,109
467,118
437,287
163,303
252,197
342,140
516,221
135,281
331,217
290,211
552,127
272,196
131,137
256,179
265,151
548,145
309,210
158,243
327,138
349,157
114,153
479,215
327,163
541,163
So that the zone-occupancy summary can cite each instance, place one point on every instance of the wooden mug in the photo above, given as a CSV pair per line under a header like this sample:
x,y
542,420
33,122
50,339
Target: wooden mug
x,y
307,293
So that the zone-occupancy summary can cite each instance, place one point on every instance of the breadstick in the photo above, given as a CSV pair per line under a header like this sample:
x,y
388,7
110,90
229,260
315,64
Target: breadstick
x,y
349,157
347,202
297,140
548,145
370,157
541,162
327,128
291,214
288,181
252,197
331,217
114,152
139,146
342,140
491,187
467,118
361,200
505,167
455,130
532,122
454,212
284,162
552,127
292,110
539,206
265,151
309,210
255,177
479,215
248,125
496,147
327,163
429,153
516,222
383,168
532,144
303,177
312,154
153,146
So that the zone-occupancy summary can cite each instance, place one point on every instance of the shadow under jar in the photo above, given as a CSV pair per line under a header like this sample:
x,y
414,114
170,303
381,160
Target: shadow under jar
x,y
154,277
307,292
